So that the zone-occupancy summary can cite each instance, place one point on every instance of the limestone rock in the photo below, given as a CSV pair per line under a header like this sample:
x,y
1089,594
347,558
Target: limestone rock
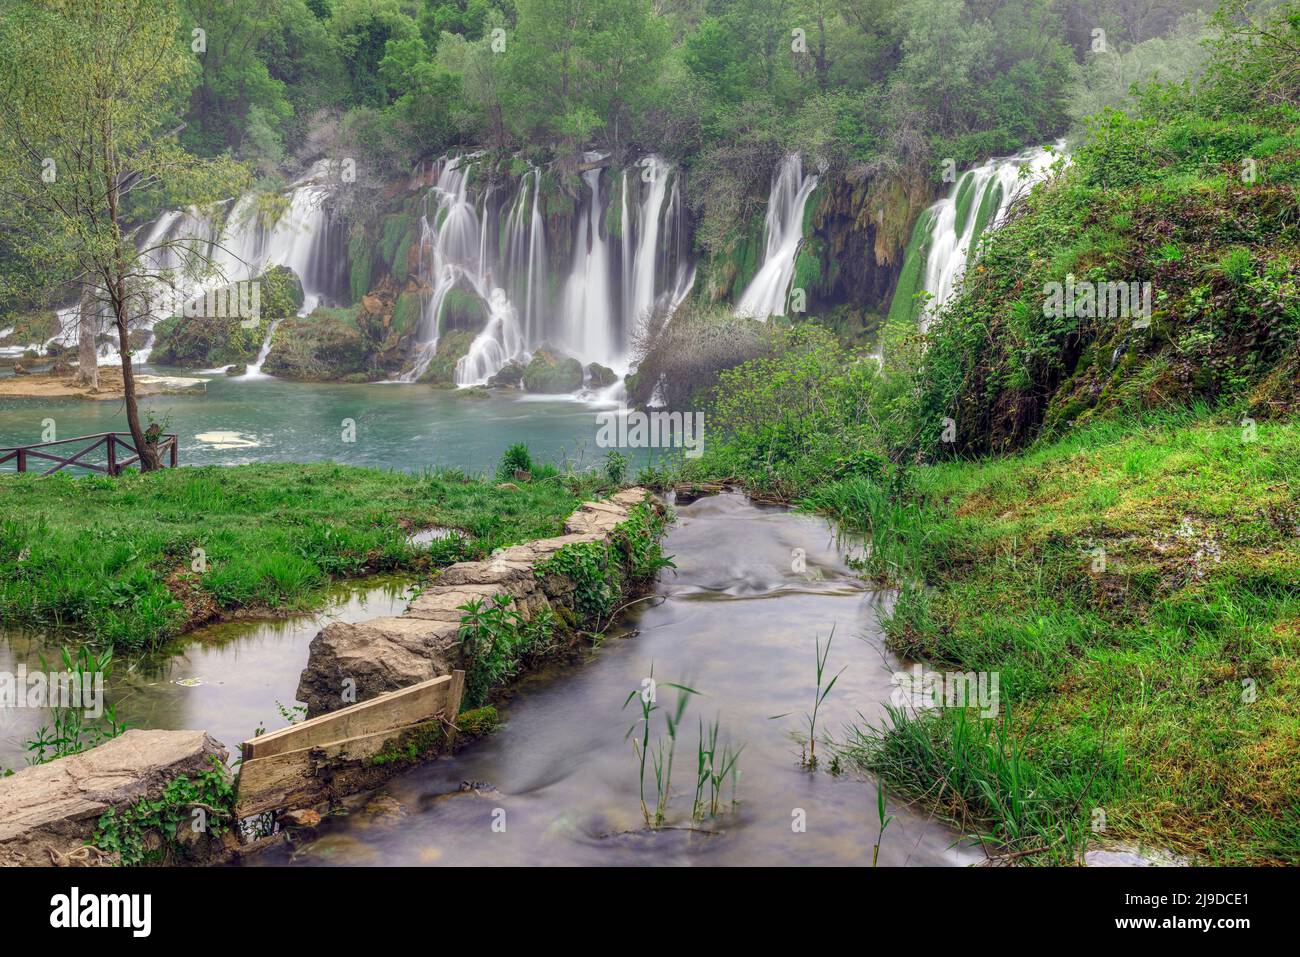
x,y
374,657
55,806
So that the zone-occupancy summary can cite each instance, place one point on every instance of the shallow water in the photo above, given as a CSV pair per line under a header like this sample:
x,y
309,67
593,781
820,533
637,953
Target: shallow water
x,y
737,623
406,427
225,679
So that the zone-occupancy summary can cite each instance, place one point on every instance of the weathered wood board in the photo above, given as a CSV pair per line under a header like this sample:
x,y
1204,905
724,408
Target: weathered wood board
x,y
309,762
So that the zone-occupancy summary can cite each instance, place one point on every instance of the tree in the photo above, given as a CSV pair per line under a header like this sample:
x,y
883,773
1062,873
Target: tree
x,y
88,142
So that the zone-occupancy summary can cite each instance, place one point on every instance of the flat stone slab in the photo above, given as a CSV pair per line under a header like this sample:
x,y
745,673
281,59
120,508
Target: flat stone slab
x,y
55,807
350,663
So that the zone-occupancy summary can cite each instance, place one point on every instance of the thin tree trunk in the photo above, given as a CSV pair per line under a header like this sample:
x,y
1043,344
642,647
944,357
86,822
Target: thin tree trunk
x,y
122,310
87,352
148,453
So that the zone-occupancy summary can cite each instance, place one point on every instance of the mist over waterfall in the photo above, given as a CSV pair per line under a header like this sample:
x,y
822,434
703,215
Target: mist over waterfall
x,y
583,291
783,228
948,231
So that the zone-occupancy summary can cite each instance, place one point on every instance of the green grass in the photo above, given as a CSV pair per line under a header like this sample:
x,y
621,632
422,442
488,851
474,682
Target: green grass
x,y
112,559
1161,686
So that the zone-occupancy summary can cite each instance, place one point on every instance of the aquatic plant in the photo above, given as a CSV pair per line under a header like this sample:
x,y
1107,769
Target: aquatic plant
x,y
70,732
712,771
661,755
810,751
884,821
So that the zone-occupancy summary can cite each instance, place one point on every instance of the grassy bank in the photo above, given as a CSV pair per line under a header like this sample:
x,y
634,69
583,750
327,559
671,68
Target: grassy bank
x,y
1137,589
117,560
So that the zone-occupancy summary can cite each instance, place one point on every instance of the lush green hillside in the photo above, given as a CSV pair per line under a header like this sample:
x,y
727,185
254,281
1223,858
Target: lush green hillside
x,y
1131,571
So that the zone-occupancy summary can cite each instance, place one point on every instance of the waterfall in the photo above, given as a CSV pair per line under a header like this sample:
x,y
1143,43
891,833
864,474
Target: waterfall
x,y
947,232
306,238
783,227
626,258
451,252
500,341
587,317
675,253
524,255
454,253
255,368
641,301
495,246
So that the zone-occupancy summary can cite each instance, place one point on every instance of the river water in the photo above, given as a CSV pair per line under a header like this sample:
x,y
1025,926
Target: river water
x,y
738,621
226,678
407,427
558,783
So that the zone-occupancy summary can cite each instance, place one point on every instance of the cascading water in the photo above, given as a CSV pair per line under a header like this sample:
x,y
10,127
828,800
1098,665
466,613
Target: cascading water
x,y
524,256
587,314
495,246
646,257
783,227
450,253
949,231
305,237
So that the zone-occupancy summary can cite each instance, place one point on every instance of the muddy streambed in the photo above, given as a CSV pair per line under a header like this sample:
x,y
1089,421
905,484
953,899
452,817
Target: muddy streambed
x,y
225,679
558,783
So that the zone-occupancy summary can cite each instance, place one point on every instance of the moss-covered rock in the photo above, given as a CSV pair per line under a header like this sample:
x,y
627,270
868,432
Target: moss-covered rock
x,y
599,376
509,376
451,347
463,309
551,373
325,346
200,341
281,293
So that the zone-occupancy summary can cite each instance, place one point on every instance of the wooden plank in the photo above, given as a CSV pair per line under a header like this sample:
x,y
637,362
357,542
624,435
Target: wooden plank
x,y
307,763
400,708
311,775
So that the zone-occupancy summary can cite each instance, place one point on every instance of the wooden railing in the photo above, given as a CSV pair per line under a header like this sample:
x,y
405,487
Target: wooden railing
x,y
114,443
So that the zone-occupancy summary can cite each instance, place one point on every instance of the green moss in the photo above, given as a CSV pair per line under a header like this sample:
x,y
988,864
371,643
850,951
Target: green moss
x,y
552,374
406,313
416,743
904,308
360,260
452,346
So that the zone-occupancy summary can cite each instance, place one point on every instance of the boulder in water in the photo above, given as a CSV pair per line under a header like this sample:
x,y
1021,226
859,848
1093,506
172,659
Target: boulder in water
x,y
509,376
323,347
237,369
600,377
551,373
